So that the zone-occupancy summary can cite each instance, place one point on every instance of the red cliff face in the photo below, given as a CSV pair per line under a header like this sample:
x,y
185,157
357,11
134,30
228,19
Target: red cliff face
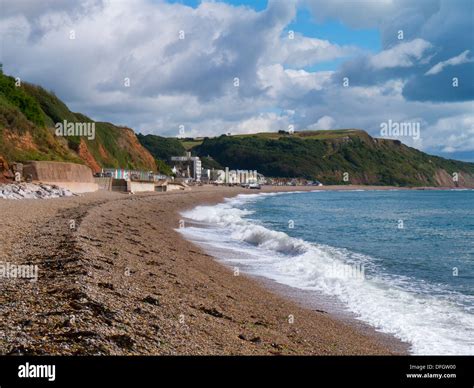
x,y
131,144
446,180
87,157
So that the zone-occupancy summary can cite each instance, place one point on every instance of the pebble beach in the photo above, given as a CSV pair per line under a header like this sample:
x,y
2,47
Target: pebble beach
x,y
116,278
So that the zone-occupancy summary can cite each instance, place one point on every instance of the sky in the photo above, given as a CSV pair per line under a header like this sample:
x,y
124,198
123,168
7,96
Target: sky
x,y
203,68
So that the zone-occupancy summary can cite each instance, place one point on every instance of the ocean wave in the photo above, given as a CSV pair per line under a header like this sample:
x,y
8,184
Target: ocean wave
x,y
432,322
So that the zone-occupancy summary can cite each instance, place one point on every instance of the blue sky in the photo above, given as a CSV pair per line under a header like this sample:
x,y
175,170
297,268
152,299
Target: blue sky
x,y
345,68
334,31
258,5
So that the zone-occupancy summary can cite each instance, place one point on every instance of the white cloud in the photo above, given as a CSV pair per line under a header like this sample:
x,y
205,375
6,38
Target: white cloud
x,y
404,54
452,134
458,60
265,122
325,122
303,51
281,83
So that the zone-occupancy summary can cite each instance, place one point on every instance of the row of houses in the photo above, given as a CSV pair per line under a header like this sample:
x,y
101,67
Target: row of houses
x,y
189,168
186,169
135,175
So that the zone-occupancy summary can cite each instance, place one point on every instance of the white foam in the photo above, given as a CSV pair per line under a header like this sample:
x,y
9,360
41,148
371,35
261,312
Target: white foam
x,y
396,305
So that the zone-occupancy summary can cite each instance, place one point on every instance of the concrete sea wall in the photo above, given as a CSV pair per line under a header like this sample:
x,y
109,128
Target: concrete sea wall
x,y
74,177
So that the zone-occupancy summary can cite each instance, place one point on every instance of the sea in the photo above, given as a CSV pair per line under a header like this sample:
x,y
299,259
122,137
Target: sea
x,y
401,261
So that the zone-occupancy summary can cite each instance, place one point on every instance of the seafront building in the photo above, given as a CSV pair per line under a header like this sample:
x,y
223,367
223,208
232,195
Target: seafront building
x,y
187,167
217,176
136,175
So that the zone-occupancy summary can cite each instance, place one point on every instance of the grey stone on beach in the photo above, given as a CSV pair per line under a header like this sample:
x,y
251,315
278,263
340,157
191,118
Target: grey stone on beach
x,y
32,191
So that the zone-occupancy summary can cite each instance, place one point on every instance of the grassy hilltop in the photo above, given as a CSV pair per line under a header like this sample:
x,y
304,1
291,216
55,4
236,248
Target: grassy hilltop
x,y
326,155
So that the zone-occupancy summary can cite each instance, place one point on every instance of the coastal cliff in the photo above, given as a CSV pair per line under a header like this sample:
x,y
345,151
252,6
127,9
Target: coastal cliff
x,y
28,118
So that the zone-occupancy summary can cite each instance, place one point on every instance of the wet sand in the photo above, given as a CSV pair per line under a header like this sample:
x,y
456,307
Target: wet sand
x,y
123,281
